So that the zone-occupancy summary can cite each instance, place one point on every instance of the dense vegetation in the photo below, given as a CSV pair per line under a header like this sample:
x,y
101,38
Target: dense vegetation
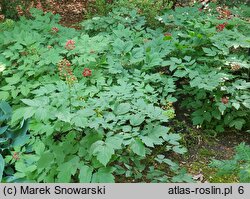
x,y
99,104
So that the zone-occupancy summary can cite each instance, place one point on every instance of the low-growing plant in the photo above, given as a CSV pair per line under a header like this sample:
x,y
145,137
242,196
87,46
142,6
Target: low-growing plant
x,y
12,139
212,66
238,165
147,8
100,100
93,114
110,127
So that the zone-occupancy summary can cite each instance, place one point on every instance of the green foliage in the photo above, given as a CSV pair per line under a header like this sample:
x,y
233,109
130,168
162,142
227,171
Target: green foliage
x,y
233,3
100,100
11,138
212,66
98,8
99,126
10,7
239,165
148,8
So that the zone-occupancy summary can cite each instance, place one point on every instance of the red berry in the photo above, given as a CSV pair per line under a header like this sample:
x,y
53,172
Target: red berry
x,y
224,100
86,72
221,27
70,44
55,29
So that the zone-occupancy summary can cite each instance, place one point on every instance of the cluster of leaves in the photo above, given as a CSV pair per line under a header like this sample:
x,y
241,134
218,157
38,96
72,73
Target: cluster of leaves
x,y
210,65
233,3
100,99
104,124
210,58
148,8
239,165
11,140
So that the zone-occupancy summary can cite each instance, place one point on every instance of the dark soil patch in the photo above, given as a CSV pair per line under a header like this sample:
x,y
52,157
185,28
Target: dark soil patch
x,y
207,148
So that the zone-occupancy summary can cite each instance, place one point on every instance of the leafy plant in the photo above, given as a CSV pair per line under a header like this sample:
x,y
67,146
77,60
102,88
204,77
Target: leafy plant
x,y
238,165
100,100
106,120
10,139
212,66
119,123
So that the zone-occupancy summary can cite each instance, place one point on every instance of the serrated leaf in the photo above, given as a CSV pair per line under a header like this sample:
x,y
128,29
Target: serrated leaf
x,y
176,60
13,80
45,160
4,95
114,141
87,112
18,114
246,103
179,149
147,141
238,123
103,175
85,174
222,108
80,121
29,112
172,67
209,52
103,153
149,88
42,114
138,147
122,108
187,58
64,116
30,102
207,116
172,138
137,119
236,105
180,73
39,147
25,90
64,174
197,120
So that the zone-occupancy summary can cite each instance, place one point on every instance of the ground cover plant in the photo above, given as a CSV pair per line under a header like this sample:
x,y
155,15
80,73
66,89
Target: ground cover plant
x,y
238,165
100,102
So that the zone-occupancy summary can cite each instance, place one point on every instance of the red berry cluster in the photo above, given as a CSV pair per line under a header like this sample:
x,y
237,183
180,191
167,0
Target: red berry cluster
x,y
70,44
55,29
221,27
86,72
65,71
225,100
